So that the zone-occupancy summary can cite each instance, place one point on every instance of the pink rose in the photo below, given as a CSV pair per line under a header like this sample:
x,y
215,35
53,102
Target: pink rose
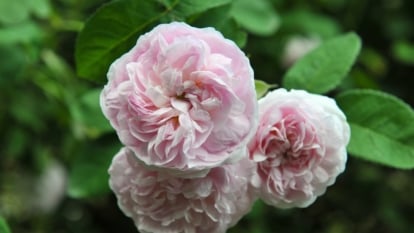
x,y
182,99
160,203
299,147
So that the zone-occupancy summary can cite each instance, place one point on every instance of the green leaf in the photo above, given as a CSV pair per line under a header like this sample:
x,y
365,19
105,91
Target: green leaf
x,y
41,8
257,17
262,87
305,22
17,142
88,117
232,31
13,34
88,176
116,26
110,32
382,128
4,228
219,18
58,67
404,52
323,69
13,61
190,7
17,11
14,11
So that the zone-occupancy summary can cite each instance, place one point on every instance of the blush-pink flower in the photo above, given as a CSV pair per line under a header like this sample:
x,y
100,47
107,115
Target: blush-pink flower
x,y
299,147
182,99
159,203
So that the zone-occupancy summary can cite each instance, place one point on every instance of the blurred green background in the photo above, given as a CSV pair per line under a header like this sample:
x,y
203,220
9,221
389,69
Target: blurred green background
x,y
56,146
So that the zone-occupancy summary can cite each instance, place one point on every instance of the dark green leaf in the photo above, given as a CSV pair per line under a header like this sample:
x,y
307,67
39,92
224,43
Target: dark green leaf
x,y
12,63
88,176
322,69
187,8
4,228
382,128
16,142
257,17
110,32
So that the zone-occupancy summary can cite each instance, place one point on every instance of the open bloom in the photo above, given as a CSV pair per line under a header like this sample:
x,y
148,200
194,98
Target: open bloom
x,y
299,147
182,99
159,203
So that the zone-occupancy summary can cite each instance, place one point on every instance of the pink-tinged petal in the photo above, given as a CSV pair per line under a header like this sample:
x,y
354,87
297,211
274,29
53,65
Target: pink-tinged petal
x,y
299,147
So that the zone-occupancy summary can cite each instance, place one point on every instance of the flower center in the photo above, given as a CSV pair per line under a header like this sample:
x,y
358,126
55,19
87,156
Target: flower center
x,y
293,143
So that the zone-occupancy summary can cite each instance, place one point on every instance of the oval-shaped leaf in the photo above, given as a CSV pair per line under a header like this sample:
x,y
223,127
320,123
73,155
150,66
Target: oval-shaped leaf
x,y
323,69
258,16
262,87
4,228
382,128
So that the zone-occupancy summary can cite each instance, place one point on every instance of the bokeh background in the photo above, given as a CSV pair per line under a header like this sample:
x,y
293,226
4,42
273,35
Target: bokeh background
x,y
55,145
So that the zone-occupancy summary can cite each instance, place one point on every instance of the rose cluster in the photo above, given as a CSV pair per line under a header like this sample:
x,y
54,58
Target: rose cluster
x,y
199,148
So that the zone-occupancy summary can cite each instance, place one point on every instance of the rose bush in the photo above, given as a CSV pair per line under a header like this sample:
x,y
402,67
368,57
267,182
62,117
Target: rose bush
x,y
299,147
182,99
161,203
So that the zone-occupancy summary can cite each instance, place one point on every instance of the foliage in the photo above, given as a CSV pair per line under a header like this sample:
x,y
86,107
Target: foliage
x,y
381,126
323,69
404,51
256,17
54,56
4,228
